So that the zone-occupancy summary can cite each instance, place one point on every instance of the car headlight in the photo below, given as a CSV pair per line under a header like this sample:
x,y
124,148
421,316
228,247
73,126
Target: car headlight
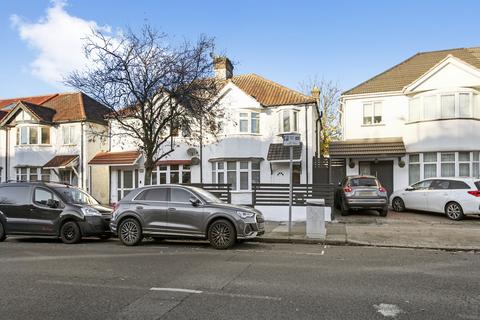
x,y
88,211
245,214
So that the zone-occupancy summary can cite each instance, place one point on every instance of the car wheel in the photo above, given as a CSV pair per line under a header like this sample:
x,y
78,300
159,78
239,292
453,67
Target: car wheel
x,y
70,232
105,236
383,212
3,234
344,211
398,204
130,232
454,211
221,234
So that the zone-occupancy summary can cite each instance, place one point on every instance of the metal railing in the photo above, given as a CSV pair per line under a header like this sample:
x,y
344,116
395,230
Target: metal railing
x,y
221,190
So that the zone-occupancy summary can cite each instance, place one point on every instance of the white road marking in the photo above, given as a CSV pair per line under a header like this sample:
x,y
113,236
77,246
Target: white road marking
x,y
239,295
388,310
176,290
323,252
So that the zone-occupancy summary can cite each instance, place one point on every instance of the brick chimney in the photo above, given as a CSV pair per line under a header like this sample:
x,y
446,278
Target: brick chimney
x,y
223,68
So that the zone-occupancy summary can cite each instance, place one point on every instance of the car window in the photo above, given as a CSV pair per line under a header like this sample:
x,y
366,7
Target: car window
x,y
363,182
14,195
154,194
422,185
41,197
440,184
454,184
180,195
477,184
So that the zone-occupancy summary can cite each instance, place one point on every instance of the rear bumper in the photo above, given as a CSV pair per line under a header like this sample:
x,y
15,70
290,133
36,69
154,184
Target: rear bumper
x,y
366,203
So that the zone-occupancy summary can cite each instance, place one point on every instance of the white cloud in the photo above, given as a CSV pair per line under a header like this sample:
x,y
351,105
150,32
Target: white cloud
x,y
57,39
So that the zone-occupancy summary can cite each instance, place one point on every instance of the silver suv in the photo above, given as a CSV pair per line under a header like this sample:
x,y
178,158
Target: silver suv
x,y
177,211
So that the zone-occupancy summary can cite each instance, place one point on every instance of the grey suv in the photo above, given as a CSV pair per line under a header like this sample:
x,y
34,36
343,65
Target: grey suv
x,y
177,211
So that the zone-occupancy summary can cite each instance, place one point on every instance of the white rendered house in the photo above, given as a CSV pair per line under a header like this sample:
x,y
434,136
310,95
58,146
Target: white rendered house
x,y
50,138
419,119
248,149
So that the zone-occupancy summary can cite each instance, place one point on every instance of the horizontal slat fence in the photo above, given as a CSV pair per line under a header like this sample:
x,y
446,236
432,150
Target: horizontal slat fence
x,y
277,194
221,190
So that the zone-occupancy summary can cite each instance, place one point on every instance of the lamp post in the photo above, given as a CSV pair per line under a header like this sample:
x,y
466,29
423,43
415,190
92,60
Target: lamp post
x,y
290,140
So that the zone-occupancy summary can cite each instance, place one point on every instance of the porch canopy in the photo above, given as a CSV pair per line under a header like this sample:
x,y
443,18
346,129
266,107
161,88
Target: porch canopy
x,y
367,148
122,158
62,162
277,152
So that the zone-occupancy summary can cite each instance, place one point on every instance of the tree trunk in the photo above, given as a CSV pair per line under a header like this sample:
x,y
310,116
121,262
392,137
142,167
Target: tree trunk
x,y
149,167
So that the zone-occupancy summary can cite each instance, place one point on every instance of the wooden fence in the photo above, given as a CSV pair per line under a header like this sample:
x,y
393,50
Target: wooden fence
x,y
221,190
276,194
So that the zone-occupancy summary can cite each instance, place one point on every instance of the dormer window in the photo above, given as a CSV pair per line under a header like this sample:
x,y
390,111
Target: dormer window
x,y
288,121
29,135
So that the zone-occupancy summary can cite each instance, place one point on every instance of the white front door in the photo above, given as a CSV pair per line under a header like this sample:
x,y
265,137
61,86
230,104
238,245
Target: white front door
x,y
127,180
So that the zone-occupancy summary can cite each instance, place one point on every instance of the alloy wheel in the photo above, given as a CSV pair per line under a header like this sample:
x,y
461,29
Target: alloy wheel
x,y
397,204
454,211
129,232
221,234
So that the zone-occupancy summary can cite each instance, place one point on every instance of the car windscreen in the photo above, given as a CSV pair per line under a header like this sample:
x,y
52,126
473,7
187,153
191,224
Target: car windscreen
x,y
363,182
76,196
477,184
207,196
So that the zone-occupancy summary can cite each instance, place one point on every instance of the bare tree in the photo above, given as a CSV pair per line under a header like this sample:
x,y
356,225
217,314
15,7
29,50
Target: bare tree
x,y
329,107
151,88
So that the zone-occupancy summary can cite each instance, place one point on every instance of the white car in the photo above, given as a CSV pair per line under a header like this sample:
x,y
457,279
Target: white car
x,y
455,197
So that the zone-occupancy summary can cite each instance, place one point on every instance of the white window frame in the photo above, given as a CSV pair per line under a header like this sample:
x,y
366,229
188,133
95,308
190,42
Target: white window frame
x,y
217,171
376,107
247,116
120,176
39,172
420,168
69,135
167,170
28,130
293,121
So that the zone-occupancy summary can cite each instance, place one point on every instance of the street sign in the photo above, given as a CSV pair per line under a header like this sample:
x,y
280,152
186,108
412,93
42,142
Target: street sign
x,y
291,139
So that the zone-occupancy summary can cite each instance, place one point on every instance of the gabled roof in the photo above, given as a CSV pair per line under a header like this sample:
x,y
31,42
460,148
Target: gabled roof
x,y
60,107
404,73
116,158
269,93
61,161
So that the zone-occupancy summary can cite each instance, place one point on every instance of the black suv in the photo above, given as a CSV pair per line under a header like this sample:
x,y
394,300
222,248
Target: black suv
x,y
51,209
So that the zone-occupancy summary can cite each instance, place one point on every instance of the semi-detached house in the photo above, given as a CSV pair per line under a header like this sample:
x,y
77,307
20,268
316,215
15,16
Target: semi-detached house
x,y
418,119
51,138
248,149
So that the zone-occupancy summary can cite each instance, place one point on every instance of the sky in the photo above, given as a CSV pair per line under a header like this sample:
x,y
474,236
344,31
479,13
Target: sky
x,y
345,42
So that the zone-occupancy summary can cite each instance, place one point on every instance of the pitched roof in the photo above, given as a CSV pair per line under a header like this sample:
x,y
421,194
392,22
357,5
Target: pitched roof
x,y
279,152
269,93
367,147
404,73
61,107
118,158
60,161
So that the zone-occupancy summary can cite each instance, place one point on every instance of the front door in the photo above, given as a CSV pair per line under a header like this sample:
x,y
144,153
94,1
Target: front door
x,y
43,218
183,216
127,180
383,170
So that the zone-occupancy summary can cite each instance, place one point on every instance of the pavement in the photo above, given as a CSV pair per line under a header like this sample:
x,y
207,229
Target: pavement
x,y
405,229
45,279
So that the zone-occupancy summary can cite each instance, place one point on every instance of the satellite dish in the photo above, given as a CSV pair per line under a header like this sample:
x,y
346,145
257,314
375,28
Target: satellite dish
x,y
192,152
195,161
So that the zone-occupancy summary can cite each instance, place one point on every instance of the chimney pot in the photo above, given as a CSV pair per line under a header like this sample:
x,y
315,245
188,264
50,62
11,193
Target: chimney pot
x,y
315,92
223,68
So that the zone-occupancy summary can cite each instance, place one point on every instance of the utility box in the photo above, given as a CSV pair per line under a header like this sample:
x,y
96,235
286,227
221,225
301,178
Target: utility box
x,y
316,219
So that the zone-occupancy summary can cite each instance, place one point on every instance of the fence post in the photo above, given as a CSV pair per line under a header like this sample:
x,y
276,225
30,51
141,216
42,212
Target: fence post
x,y
254,194
229,197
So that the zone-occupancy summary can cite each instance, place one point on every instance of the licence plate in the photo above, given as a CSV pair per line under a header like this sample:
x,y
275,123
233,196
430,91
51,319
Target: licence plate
x,y
367,194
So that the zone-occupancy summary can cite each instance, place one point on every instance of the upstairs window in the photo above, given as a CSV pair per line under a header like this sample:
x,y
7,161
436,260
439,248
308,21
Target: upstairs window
x,y
288,121
33,135
372,113
249,122
69,135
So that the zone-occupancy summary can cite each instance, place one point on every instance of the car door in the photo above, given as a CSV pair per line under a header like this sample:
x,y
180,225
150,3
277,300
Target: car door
x,y
184,217
45,211
414,197
437,195
152,205
15,207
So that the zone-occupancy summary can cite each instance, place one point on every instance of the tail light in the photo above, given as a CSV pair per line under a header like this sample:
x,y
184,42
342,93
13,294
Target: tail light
x,y
348,189
474,193
382,190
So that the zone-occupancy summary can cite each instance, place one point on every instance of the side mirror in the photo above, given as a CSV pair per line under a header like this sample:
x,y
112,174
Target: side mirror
x,y
194,201
51,203
339,184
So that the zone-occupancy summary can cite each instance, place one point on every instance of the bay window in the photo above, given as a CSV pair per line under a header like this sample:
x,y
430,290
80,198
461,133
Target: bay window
x,y
239,174
429,165
447,103
464,164
447,164
249,122
37,135
287,121
451,164
476,164
413,168
32,174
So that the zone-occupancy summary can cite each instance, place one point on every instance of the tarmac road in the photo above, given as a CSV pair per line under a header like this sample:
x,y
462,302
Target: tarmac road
x,y
45,279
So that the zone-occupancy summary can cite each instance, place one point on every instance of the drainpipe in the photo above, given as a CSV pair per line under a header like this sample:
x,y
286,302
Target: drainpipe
x,y
82,169
306,142
201,150
7,169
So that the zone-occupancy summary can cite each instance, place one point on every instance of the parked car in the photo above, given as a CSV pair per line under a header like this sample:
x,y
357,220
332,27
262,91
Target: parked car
x,y
176,211
361,192
456,197
51,209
